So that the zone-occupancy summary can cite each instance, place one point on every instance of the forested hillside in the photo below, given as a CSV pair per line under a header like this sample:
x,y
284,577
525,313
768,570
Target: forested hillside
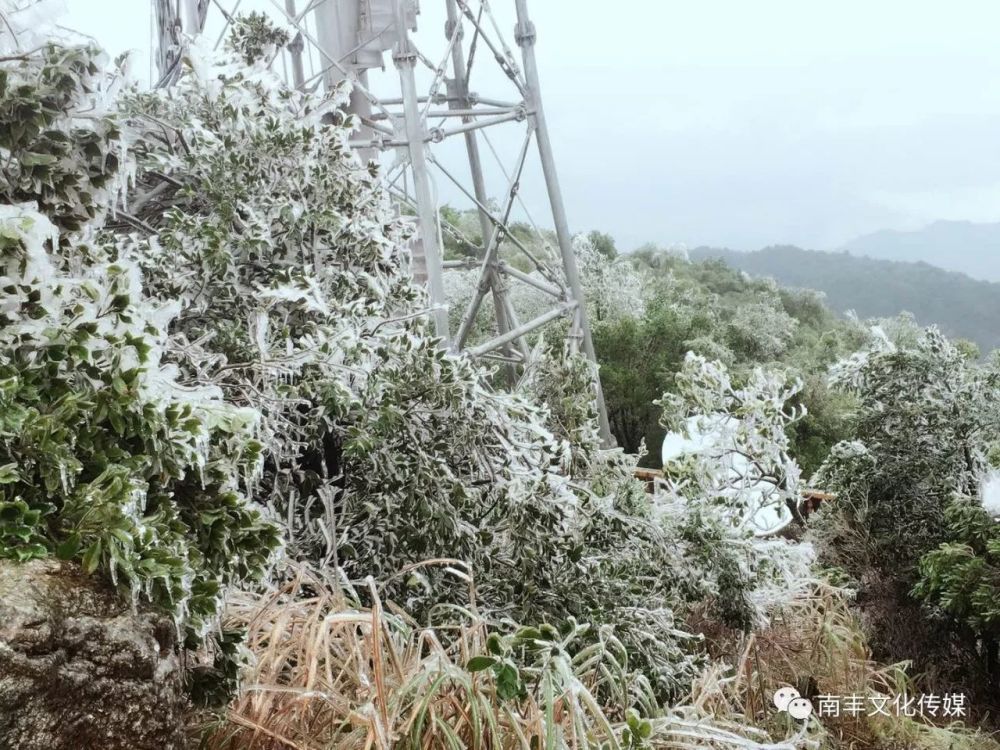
x,y
719,313
963,307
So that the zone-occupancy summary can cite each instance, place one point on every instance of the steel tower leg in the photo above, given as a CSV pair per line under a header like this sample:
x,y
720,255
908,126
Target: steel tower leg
x,y
295,49
427,260
337,28
505,315
526,36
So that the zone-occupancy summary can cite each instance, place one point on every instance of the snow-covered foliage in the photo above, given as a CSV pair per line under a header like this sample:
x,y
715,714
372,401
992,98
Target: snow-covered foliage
x,y
614,287
107,456
60,142
761,331
926,415
907,526
733,469
740,456
265,339
255,38
630,574
381,450
561,381
104,457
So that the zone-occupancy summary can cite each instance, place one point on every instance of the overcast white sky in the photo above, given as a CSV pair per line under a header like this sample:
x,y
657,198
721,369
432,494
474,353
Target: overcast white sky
x,y
729,122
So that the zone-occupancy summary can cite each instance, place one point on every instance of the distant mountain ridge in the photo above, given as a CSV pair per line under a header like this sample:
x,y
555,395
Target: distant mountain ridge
x,y
961,306
963,246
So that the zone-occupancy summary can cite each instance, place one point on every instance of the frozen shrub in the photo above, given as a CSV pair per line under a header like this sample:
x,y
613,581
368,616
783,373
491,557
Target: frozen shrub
x,y
107,457
104,457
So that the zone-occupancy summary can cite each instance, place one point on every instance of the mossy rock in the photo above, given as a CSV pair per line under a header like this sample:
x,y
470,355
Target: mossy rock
x,y
79,669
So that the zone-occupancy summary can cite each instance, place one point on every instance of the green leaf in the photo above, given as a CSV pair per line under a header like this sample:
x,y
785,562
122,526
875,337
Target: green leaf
x,y
11,513
508,682
528,633
8,474
92,557
69,549
31,552
31,159
480,663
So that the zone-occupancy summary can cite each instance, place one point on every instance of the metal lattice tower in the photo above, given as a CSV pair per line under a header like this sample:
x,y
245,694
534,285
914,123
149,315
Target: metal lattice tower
x,y
341,40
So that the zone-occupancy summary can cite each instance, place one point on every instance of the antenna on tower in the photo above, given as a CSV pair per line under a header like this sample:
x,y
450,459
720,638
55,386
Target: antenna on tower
x,y
345,39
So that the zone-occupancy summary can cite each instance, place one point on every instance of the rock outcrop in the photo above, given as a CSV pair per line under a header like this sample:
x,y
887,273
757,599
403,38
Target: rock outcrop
x,y
79,670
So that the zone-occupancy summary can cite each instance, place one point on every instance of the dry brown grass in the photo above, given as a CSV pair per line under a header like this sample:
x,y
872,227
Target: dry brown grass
x,y
330,674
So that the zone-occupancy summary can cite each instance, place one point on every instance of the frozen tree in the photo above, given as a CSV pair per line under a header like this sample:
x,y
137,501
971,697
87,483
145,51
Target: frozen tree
x,y
760,331
924,421
730,476
289,270
739,450
906,512
613,286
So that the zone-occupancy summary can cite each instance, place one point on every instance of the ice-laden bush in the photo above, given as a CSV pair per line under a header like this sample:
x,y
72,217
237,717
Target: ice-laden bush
x,y
104,458
61,142
631,571
250,218
926,413
382,451
737,469
648,562
292,275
